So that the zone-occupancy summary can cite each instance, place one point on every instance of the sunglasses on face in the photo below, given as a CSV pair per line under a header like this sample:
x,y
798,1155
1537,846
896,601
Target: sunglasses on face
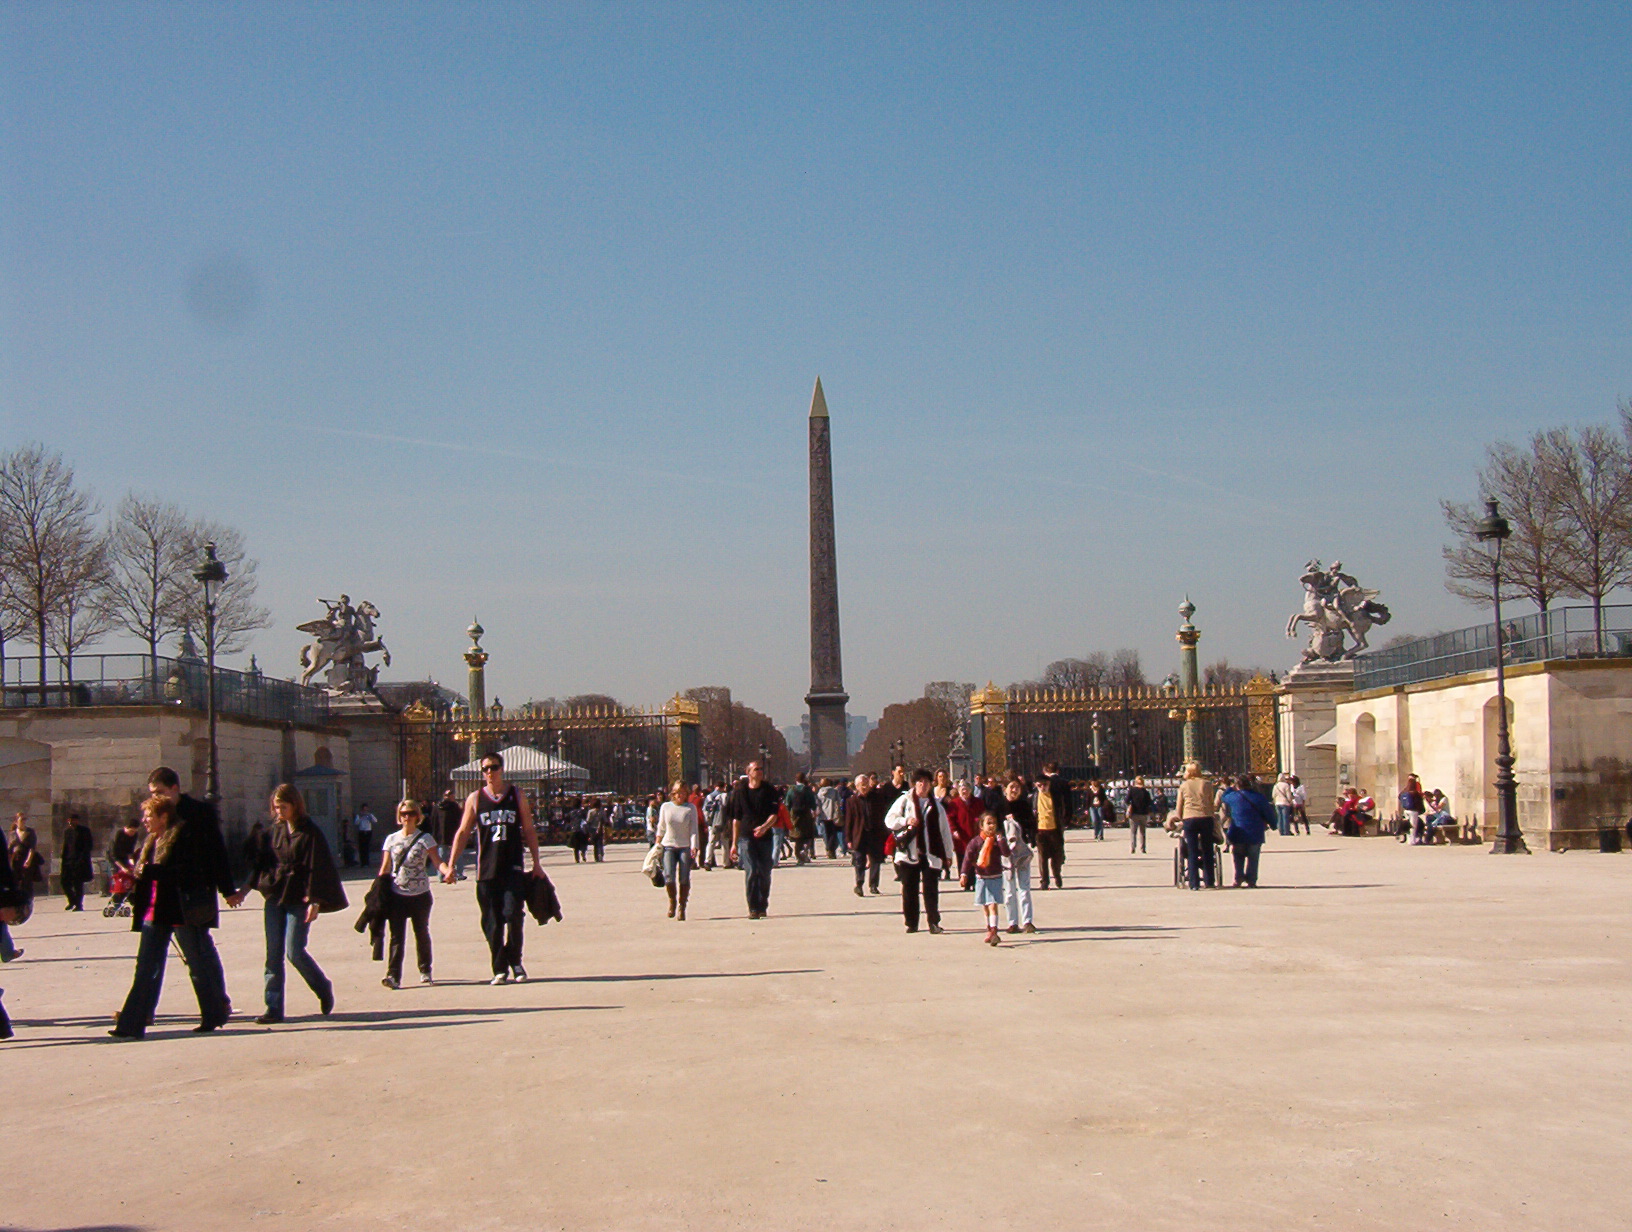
x,y
491,769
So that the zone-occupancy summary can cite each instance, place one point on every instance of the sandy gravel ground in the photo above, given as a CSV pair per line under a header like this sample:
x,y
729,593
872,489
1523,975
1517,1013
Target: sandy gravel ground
x,y
1379,1037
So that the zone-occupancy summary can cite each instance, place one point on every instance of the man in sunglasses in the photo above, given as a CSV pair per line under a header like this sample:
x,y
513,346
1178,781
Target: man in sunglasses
x,y
503,823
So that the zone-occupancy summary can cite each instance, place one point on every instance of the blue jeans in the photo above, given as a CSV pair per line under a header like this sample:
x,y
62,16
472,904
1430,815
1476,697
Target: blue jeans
x,y
286,933
1283,819
757,857
203,966
676,866
1099,822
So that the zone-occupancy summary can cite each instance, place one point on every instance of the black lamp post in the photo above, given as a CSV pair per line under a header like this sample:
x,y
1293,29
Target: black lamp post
x,y
1133,744
210,574
1509,838
1098,755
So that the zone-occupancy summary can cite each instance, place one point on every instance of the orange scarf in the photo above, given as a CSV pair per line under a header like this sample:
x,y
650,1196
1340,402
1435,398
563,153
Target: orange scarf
x,y
986,846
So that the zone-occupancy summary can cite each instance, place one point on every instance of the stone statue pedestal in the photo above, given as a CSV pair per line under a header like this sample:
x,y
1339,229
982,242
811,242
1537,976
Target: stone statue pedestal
x,y
1308,722
376,761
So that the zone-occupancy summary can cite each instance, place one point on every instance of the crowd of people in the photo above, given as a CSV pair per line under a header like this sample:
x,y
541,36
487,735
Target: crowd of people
x,y
169,869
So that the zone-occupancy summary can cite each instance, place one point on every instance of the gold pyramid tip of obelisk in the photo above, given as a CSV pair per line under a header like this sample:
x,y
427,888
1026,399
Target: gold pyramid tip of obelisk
x,y
818,402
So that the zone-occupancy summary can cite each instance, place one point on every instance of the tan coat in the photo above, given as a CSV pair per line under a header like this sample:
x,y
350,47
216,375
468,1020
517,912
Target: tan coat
x,y
1195,798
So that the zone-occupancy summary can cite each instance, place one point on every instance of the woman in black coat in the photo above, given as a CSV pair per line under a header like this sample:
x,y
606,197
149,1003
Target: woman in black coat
x,y
166,865
298,878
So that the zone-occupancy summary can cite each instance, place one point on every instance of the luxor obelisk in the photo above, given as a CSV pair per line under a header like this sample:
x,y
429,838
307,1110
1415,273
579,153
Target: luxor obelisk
x,y
829,728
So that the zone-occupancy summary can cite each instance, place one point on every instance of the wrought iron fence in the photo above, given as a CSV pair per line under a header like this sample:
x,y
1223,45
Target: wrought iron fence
x,y
1561,633
145,680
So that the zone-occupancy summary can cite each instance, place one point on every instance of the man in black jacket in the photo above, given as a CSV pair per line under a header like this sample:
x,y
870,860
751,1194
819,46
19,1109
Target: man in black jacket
x,y
202,854
74,865
752,810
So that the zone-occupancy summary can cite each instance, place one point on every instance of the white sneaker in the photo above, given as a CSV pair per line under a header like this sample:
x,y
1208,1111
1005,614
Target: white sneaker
x,y
425,978
519,973
502,977
389,982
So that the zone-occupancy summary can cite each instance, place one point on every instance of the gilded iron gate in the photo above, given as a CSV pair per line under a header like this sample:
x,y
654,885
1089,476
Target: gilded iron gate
x,y
1116,732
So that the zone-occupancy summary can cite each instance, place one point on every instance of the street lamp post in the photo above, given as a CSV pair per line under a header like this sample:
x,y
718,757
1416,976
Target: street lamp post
x,y
211,574
1509,838
1097,753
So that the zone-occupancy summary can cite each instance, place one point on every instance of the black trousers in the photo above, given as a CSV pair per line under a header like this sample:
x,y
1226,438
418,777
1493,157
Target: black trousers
x,y
1051,853
503,901
867,864
365,840
74,892
417,909
916,880
1198,850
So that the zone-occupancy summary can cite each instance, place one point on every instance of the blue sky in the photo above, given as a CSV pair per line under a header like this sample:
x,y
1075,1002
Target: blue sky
x,y
515,310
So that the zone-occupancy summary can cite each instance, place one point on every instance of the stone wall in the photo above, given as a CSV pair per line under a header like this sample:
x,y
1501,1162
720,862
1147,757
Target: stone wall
x,y
95,761
1570,729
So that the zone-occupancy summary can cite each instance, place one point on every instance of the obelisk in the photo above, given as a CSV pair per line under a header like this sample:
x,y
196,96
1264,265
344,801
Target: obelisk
x,y
829,749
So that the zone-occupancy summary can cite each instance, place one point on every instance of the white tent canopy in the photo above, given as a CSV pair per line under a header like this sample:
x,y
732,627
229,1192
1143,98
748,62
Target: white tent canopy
x,y
524,764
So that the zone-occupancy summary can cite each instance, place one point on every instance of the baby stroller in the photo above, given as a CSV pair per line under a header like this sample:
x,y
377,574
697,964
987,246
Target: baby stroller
x,y
120,884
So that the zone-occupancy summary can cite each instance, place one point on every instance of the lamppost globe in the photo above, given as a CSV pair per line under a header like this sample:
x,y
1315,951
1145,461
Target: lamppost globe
x,y
1492,526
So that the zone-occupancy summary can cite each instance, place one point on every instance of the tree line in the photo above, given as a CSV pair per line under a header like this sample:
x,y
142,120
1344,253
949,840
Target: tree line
x,y
1567,495
70,575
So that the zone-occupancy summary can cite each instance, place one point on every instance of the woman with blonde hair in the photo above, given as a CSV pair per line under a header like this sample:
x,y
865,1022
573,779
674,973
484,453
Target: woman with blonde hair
x,y
404,858
157,913
298,879
677,830
1196,815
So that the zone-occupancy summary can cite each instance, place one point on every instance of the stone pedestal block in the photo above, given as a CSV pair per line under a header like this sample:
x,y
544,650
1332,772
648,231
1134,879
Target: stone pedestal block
x,y
1309,713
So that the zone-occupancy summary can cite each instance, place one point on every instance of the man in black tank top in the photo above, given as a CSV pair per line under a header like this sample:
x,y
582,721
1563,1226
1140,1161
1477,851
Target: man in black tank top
x,y
503,823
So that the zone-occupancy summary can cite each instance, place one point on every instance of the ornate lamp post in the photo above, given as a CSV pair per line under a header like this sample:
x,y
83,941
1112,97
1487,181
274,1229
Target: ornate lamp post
x,y
211,574
1097,729
1509,838
1133,745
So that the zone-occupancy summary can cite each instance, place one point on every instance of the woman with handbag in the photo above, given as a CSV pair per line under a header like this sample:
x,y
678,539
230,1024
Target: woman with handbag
x,y
158,913
403,859
301,883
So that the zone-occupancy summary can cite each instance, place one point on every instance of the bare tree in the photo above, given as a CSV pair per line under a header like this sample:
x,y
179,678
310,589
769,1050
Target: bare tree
x,y
1591,469
1533,560
149,571
80,615
1126,671
1223,675
50,528
731,733
1094,671
237,615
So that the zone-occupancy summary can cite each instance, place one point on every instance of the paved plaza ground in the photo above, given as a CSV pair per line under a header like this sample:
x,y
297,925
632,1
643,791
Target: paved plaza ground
x,y
1379,1037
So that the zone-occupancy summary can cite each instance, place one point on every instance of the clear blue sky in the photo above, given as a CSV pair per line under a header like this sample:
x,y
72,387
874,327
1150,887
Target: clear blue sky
x,y
515,310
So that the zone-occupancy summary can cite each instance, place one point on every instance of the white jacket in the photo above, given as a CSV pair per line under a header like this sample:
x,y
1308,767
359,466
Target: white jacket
x,y
904,813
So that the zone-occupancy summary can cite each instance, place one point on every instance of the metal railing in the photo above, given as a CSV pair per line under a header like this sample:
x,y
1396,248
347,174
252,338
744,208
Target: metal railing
x,y
142,680
1562,633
